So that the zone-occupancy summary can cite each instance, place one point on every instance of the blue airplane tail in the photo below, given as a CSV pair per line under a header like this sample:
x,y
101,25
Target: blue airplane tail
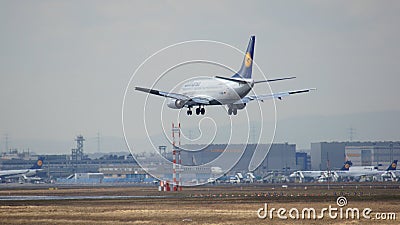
x,y
347,165
38,164
247,65
392,166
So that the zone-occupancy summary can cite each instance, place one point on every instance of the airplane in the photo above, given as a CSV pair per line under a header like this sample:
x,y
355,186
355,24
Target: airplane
x,y
229,91
316,174
5,174
362,171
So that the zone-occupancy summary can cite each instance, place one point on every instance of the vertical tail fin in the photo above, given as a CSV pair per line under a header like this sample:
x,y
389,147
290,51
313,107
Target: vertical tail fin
x,y
38,163
247,65
347,165
392,166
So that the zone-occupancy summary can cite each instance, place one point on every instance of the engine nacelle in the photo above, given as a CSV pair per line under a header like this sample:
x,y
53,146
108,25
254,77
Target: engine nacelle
x,y
176,104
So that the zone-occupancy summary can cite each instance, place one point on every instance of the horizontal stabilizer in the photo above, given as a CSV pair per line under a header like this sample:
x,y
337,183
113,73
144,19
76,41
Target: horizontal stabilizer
x,y
278,95
232,79
300,91
278,79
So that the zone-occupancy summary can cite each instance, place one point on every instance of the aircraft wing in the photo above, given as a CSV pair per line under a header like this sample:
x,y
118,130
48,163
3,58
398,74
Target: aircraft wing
x,y
201,100
165,94
189,101
278,95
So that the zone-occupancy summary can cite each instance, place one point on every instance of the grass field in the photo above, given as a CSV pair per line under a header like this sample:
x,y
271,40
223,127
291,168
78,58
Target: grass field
x,y
197,205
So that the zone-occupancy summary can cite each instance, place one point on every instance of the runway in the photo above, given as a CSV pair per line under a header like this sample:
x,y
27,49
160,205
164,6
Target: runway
x,y
55,198
227,204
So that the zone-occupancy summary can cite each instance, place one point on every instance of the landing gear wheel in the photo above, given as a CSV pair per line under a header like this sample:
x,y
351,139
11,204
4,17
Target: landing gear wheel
x,y
197,111
234,111
229,111
202,111
189,112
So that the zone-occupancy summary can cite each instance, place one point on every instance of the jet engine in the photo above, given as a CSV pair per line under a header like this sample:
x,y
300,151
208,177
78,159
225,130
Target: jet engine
x,y
176,104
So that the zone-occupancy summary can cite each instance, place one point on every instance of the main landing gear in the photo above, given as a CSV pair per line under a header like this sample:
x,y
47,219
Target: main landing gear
x,y
199,110
232,111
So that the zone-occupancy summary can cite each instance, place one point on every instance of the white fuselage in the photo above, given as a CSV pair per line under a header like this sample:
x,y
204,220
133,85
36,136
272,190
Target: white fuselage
x,y
18,173
307,174
359,171
222,92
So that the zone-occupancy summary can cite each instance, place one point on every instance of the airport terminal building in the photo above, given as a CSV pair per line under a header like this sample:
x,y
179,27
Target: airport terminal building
x,y
373,155
334,154
281,156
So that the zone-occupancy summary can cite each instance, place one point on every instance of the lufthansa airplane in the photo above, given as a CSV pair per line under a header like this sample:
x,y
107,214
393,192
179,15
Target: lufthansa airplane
x,y
4,174
315,174
360,171
229,91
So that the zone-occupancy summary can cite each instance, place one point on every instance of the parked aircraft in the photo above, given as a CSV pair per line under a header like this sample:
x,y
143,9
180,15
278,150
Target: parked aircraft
x,y
356,172
348,171
7,174
316,174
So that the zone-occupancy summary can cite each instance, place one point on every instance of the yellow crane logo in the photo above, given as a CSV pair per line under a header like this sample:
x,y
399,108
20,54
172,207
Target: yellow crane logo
x,y
248,60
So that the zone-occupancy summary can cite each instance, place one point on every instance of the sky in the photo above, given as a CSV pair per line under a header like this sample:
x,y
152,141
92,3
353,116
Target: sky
x,y
64,65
